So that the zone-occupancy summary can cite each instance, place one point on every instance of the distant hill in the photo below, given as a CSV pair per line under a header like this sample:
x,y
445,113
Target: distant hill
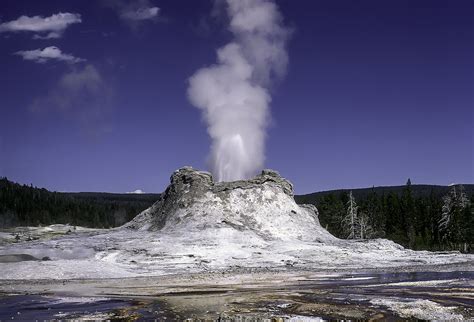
x,y
419,191
113,197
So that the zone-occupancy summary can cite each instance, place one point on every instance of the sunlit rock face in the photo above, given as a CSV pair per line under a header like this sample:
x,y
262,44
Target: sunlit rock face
x,y
263,205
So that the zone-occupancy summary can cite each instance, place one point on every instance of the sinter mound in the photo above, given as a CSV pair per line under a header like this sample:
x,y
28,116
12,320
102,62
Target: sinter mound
x,y
263,205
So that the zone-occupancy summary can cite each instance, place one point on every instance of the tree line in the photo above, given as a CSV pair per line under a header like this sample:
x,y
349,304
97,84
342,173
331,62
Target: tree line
x,y
421,222
25,205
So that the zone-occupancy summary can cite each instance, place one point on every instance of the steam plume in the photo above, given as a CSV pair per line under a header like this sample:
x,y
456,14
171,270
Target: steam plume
x,y
234,93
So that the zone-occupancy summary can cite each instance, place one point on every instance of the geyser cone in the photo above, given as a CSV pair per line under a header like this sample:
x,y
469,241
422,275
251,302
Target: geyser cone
x,y
263,205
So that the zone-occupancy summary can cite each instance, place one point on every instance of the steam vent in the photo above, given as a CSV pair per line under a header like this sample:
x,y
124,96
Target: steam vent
x,y
263,206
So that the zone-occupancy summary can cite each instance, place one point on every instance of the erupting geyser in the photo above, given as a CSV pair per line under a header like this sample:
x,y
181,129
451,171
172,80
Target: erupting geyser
x,y
234,94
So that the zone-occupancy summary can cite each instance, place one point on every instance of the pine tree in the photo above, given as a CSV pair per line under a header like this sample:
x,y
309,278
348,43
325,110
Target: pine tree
x,y
365,229
332,211
408,214
433,214
452,215
462,200
393,223
375,215
468,228
446,213
350,221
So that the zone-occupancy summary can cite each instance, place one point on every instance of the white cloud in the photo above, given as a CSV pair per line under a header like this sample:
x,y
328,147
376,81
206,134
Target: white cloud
x,y
134,12
54,25
48,53
140,14
51,35
138,191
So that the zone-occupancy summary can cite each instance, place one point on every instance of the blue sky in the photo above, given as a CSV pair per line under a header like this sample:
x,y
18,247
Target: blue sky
x,y
375,92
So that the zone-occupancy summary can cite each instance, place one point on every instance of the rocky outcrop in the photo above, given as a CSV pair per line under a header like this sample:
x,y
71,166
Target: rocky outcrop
x,y
263,205
267,176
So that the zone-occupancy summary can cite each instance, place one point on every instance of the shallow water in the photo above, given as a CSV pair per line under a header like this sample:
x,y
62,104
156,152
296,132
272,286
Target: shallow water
x,y
386,296
36,307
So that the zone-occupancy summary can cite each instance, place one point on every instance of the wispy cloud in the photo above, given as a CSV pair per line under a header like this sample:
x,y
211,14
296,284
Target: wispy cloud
x,y
134,12
50,35
43,27
76,85
140,14
81,94
47,54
